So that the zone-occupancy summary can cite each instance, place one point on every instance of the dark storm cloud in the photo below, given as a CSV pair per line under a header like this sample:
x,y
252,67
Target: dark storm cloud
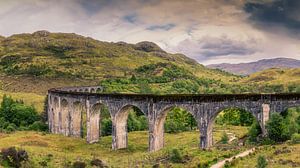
x,y
165,27
214,47
284,13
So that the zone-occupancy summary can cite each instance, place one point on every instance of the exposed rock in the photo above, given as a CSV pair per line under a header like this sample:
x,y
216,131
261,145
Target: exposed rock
x,y
41,33
148,47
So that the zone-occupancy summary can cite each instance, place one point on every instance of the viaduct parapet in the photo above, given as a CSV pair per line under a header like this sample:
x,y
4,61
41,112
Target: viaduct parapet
x,y
71,108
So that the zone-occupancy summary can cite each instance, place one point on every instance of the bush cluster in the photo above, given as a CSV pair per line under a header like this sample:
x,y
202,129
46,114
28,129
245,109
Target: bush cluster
x,y
15,115
12,157
279,127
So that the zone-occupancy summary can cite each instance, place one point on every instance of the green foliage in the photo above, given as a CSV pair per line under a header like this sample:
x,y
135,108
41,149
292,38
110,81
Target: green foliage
x,y
176,156
233,116
295,139
136,122
277,128
179,120
261,162
254,131
145,88
224,138
106,127
15,115
185,86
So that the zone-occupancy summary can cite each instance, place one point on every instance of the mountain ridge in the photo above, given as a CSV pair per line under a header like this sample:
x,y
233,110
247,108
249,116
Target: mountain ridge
x,y
256,66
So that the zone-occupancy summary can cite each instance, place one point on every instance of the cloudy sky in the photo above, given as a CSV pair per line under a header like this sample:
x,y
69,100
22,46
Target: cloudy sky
x,y
210,31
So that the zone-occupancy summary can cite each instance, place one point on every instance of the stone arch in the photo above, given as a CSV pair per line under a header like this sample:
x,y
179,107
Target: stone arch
x,y
157,136
98,90
120,136
92,90
76,119
208,132
86,90
64,117
94,127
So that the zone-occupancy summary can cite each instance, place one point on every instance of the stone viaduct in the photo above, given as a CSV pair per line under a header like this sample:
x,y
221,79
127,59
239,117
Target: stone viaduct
x,y
68,108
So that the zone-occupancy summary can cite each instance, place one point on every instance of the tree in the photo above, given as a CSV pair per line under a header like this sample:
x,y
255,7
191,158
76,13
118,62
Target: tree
x,y
254,131
15,115
276,127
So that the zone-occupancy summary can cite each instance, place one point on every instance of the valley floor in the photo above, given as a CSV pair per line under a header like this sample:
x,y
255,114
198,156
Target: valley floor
x,y
59,151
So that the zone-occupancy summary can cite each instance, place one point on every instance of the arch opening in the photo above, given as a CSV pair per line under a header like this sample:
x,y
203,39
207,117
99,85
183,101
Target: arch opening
x,y
233,126
129,119
175,121
98,90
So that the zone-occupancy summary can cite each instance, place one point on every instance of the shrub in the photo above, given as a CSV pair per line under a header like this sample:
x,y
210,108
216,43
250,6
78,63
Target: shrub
x,y
277,128
176,156
254,131
11,128
79,164
295,138
106,126
224,139
15,115
12,157
261,162
38,126
98,163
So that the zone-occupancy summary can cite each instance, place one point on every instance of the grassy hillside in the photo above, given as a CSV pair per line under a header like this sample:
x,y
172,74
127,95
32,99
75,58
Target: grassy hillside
x,y
66,150
275,75
47,54
35,62
283,80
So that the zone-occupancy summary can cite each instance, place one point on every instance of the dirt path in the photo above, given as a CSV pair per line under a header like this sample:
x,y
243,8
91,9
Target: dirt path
x,y
231,136
220,164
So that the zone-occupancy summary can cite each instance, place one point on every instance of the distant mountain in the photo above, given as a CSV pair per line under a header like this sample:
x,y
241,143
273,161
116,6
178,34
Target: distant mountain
x,y
252,67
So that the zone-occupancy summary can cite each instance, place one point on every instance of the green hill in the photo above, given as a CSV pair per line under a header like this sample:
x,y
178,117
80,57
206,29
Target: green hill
x,y
35,59
36,62
277,79
69,55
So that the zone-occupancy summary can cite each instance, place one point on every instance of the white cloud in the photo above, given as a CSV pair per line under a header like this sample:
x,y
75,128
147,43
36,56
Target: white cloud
x,y
175,25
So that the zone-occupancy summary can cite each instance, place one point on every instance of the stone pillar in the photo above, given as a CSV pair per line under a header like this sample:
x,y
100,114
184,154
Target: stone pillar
x,y
75,119
93,125
64,118
265,118
119,134
206,136
56,115
88,125
156,136
49,113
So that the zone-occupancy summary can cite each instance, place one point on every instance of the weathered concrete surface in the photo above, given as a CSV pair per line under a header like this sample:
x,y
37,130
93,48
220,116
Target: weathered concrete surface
x,y
67,108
